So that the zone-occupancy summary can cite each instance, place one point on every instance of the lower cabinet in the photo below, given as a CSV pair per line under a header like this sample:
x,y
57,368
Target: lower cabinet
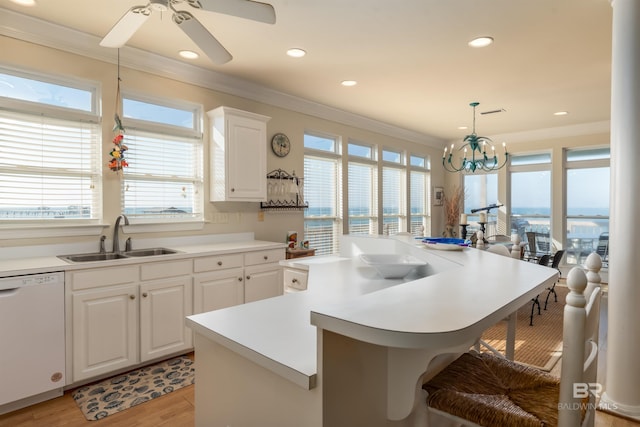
x,y
164,304
105,330
120,316
121,325
219,289
263,281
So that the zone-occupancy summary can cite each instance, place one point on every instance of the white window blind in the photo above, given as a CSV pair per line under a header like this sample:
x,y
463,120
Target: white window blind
x,y
321,186
49,169
418,202
362,180
392,200
164,178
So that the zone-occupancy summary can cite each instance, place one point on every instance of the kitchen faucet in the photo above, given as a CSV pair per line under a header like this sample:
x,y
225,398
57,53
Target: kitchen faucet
x,y
116,237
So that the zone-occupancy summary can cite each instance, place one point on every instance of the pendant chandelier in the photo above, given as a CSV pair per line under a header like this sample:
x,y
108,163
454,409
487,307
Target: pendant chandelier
x,y
475,156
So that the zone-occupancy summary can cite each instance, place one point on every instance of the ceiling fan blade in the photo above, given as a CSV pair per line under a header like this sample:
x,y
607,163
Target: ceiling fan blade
x,y
126,27
247,9
202,37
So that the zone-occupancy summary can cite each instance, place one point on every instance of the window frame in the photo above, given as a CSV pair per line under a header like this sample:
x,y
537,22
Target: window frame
x,y
139,128
42,228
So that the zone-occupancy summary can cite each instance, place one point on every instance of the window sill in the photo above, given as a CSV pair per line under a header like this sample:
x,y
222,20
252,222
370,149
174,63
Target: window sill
x,y
138,226
36,231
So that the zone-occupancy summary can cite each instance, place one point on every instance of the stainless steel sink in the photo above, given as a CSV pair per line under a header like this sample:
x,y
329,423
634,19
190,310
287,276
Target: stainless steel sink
x,y
149,252
107,256
92,257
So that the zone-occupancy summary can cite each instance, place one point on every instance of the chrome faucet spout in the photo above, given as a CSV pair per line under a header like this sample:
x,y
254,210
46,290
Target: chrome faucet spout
x,y
116,234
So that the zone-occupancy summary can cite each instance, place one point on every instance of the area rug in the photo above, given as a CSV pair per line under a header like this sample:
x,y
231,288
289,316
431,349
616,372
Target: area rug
x,y
124,391
539,345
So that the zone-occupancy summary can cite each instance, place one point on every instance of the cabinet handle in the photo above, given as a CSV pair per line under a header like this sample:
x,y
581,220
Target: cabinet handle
x,y
294,280
266,257
248,277
233,189
239,279
132,297
219,262
144,294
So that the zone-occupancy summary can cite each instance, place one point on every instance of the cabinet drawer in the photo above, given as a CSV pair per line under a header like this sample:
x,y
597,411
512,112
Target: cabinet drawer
x,y
295,279
160,270
263,257
97,277
217,262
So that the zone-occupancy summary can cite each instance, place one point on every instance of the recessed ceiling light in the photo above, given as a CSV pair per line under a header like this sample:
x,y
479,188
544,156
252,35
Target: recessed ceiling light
x,y
349,83
560,113
188,54
25,2
481,41
463,127
296,52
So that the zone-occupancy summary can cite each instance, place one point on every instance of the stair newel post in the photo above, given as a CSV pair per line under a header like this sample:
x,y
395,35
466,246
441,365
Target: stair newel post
x,y
515,248
572,349
593,265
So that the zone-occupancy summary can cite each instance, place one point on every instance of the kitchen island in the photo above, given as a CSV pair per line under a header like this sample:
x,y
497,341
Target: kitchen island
x,y
352,349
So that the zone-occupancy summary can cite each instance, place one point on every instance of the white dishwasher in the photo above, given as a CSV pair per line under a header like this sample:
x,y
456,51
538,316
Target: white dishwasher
x,y
32,340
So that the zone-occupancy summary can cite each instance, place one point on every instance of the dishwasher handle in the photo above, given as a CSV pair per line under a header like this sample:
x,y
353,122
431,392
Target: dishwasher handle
x,y
5,293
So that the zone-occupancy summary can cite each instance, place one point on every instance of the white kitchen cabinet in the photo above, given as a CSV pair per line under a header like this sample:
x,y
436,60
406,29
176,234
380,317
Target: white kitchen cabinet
x,y
295,279
219,289
263,274
164,304
117,320
238,155
105,330
262,281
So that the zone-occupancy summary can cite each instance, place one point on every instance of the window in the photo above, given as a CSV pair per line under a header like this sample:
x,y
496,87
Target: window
x,y
419,196
531,194
50,169
481,190
393,192
322,191
163,182
587,219
363,189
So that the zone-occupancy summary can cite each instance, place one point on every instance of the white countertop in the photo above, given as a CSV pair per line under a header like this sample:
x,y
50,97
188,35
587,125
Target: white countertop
x,y
346,296
43,259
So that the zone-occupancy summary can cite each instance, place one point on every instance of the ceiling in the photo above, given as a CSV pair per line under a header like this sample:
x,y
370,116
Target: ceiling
x,y
410,58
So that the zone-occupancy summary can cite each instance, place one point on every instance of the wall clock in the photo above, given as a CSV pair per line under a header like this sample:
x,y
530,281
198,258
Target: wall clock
x,y
280,144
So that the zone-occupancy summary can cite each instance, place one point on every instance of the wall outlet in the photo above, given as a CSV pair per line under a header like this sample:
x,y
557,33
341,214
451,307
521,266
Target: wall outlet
x,y
260,216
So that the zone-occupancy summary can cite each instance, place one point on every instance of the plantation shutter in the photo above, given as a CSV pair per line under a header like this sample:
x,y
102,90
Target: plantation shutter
x,y
320,191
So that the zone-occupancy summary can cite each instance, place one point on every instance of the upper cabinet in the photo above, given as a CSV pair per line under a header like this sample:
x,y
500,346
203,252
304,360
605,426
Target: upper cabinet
x,y
238,157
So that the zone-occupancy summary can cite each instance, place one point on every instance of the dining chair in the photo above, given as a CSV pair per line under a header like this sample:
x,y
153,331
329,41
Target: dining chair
x,y
555,263
603,248
482,389
543,260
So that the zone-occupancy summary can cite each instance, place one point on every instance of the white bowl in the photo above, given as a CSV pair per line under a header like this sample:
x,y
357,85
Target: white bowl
x,y
392,266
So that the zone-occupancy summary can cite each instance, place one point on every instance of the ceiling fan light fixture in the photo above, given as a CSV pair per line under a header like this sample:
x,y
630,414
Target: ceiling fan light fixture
x,y
483,41
159,5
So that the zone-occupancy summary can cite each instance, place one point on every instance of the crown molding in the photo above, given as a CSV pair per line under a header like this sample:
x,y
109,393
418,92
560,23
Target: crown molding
x,y
37,31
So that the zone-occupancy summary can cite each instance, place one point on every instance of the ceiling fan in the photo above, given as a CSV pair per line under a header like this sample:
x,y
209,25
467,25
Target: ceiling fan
x,y
133,19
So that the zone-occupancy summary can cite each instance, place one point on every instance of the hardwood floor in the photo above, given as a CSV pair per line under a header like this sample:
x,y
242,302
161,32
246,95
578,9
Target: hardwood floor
x,y
176,409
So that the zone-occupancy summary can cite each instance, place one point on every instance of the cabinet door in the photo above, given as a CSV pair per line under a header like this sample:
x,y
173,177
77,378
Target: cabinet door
x,y
105,330
247,159
164,304
262,282
213,291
